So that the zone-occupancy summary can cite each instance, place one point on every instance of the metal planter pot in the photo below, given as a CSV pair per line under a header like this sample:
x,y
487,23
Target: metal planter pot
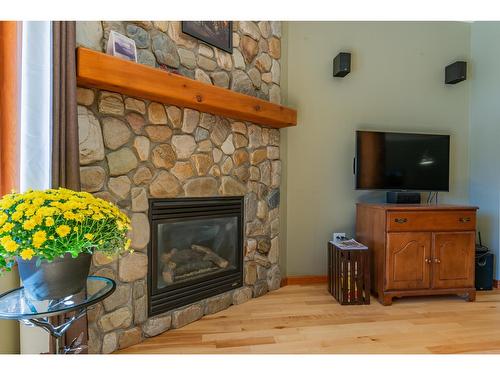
x,y
54,280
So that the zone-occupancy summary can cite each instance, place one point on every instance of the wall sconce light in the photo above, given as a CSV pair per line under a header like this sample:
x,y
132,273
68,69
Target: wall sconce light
x,y
342,64
456,72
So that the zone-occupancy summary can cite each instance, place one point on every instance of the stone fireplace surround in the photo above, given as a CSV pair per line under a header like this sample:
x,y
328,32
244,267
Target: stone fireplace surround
x,y
132,150
210,157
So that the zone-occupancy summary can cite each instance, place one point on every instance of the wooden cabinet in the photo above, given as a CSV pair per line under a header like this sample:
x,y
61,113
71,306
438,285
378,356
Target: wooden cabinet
x,y
418,249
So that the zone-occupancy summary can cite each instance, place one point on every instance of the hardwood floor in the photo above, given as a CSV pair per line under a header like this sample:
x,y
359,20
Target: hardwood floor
x,y
306,319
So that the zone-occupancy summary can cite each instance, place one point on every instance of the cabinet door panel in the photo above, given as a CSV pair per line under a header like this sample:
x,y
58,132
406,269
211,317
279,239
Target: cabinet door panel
x,y
453,260
407,261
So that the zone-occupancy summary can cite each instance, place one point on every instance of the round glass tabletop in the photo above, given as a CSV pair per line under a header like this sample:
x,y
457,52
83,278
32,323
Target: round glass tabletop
x,y
16,305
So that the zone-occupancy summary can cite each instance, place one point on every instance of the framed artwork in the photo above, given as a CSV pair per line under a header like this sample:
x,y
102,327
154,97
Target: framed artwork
x,y
216,33
121,46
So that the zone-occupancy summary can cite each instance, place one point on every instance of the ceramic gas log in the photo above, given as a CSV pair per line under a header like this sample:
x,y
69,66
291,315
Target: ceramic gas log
x,y
183,264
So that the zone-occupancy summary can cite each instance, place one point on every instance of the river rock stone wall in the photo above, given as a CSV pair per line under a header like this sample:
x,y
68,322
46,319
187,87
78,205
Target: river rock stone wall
x,y
133,149
253,68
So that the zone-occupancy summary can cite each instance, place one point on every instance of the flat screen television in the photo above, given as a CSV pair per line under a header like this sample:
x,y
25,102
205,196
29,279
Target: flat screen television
x,y
402,161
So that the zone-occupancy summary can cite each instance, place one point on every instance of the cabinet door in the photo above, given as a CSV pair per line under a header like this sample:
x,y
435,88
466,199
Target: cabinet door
x,y
408,260
453,260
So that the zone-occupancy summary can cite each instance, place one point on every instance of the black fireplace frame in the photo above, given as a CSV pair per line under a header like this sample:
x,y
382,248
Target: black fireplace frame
x,y
164,210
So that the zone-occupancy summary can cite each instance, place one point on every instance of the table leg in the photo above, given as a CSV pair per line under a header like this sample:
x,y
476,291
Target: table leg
x,y
57,346
58,331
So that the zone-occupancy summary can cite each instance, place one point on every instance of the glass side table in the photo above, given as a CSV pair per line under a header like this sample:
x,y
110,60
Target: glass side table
x,y
15,305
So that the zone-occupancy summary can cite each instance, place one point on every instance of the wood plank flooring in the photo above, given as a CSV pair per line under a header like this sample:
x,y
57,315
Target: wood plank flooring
x,y
306,319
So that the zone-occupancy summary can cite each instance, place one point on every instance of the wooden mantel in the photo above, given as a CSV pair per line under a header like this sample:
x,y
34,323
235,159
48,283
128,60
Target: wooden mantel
x,y
96,69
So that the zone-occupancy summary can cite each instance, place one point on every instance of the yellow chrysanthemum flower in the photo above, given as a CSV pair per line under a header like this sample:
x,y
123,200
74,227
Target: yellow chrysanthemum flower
x,y
89,236
38,201
9,244
79,217
27,254
98,216
45,211
39,238
69,215
49,221
63,230
16,216
37,219
7,227
29,224
21,206
3,218
6,202
120,225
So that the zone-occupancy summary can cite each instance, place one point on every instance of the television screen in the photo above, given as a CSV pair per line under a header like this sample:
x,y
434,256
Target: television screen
x,y
402,161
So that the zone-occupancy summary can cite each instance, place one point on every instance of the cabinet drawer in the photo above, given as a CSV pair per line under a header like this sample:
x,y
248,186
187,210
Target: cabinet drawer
x,y
408,221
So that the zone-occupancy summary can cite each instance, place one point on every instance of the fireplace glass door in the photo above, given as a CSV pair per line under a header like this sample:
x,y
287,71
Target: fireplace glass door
x,y
196,250
193,248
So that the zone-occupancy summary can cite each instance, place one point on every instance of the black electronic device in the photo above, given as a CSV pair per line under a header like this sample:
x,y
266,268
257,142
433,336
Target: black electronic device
x,y
484,267
456,72
402,161
403,197
342,64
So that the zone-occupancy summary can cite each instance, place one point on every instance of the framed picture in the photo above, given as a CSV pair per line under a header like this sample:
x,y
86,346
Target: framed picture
x,y
121,46
216,33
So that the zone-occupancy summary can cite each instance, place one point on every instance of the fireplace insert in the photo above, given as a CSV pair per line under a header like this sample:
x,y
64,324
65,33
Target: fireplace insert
x,y
196,250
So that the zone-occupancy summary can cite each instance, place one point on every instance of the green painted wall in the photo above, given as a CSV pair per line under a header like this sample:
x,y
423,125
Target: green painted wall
x,y
396,83
485,130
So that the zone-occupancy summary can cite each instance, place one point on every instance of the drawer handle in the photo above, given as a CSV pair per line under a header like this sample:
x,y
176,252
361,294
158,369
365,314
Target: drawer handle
x,y
401,220
464,219
428,260
436,260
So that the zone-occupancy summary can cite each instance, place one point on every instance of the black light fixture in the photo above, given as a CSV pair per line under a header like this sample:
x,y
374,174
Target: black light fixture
x,y
456,72
342,64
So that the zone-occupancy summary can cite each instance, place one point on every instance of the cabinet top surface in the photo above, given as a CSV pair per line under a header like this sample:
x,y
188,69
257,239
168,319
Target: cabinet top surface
x,y
416,207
